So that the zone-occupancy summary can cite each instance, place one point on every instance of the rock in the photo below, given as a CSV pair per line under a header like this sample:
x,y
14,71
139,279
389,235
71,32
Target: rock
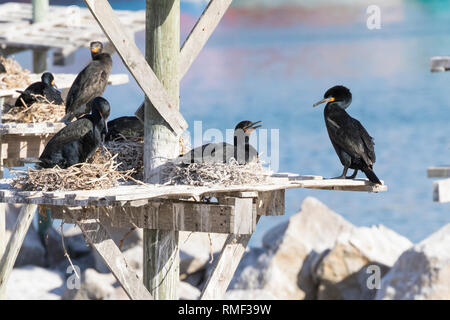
x,y
277,266
32,251
422,272
135,259
248,295
196,249
34,283
187,291
93,286
344,272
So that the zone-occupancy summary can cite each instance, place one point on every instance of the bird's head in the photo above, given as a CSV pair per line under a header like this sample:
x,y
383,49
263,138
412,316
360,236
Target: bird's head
x,y
48,79
100,106
96,48
247,127
338,95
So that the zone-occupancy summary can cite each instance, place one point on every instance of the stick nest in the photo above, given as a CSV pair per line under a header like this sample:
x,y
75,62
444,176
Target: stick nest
x,y
209,174
15,76
40,111
130,155
99,172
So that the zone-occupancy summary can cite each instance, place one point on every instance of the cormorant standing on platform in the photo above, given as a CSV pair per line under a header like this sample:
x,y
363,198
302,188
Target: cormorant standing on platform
x,y
78,141
125,127
353,145
46,87
90,83
222,152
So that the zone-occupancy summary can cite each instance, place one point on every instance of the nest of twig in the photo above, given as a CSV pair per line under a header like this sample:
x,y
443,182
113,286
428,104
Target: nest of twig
x,y
15,76
130,155
40,111
100,172
208,174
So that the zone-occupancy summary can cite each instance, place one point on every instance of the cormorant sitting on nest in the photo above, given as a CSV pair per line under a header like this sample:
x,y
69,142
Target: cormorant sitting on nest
x,y
90,83
222,152
78,141
46,87
2,68
353,145
125,128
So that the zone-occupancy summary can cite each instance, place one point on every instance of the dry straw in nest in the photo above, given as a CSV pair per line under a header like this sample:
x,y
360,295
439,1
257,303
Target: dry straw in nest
x,y
15,76
100,172
209,174
40,111
130,155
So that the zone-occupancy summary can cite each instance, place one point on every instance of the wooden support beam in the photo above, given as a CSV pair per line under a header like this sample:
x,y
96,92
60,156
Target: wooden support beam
x,y
40,12
225,266
15,243
438,172
165,104
98,237
162,48
441,190
197,38
201,32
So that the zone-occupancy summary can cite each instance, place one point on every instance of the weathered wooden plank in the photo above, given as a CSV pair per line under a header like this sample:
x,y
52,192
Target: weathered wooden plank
x,y
439,172
201,32
225,266
270,203
236,217
98,237
197,38
439,64
441,190
15,242
136,64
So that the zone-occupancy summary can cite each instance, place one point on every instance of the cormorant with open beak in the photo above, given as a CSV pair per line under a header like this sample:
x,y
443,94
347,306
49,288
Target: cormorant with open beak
x,y
222,152
78,141
353,145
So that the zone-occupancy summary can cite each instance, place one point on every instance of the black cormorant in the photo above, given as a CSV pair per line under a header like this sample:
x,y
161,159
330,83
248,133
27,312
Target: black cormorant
x,y
222,152
90,83
125,127
46,87
353,145
78,141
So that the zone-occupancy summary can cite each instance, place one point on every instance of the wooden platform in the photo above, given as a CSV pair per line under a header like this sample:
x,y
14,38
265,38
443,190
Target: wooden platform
x,y
68,29
441,188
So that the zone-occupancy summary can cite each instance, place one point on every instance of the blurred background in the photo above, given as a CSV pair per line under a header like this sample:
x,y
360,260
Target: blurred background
x,y
271,60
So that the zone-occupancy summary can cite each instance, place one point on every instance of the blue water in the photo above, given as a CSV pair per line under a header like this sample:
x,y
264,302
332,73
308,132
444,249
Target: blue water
x,y
252,70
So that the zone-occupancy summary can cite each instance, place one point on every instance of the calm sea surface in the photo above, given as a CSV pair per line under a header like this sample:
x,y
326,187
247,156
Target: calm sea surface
x,y
272,66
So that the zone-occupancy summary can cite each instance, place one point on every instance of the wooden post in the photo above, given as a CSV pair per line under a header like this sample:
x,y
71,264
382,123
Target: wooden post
x,y
15,243
40,11
161,253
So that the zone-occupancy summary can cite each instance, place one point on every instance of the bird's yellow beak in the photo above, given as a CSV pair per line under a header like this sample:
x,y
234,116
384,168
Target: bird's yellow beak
x,y
331,99
95,50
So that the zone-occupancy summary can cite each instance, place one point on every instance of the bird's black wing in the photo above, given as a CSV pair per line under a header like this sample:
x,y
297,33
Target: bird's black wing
x,y
350,135
53,95
90,83
26,95
72,132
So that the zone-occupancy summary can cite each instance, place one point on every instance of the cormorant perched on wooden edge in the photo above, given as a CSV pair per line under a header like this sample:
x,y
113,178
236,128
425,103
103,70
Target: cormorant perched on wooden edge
x,y
78,141
353,145
222,152
90,83
46,87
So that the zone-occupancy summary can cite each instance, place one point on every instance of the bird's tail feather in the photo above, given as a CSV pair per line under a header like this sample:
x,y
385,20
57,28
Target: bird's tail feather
x,y
67,117
371,175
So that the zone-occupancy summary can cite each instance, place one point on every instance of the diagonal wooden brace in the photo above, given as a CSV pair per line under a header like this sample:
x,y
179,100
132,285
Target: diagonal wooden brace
x,y
98,237
136,63
197,39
